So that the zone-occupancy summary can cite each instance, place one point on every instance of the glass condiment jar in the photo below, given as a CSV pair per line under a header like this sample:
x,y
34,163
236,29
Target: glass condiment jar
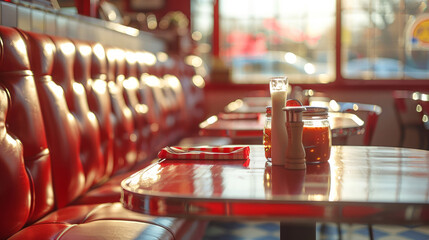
x,y
316,135
267,134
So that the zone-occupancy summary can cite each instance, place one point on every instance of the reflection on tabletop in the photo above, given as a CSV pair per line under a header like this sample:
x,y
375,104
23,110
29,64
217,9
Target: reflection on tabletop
x,y
358,184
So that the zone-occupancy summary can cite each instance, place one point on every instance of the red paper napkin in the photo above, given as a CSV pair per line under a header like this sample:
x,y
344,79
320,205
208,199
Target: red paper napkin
x,y
211,153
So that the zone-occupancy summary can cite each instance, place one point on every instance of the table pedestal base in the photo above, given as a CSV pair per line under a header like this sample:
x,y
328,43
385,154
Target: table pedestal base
x,y
291,231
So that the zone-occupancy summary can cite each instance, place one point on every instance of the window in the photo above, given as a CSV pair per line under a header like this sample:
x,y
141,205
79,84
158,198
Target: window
x,y
278,37
380,39
377,43
202,27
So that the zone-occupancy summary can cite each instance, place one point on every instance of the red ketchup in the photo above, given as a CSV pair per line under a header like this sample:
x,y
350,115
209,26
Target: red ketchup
x,y
317,144
267,142
316,136
267,134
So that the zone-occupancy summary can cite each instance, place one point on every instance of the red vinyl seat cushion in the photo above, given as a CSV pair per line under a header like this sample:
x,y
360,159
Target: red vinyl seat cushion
x,y
106,221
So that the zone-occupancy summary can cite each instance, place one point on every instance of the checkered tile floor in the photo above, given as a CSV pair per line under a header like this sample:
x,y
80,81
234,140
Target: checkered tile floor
x,y
271,231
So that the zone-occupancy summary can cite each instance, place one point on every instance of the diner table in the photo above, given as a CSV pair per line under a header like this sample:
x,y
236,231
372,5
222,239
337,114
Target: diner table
x,y
258,104
359,184
247,127
248,105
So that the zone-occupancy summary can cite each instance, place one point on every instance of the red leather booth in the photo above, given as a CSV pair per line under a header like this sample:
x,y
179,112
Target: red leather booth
x,y
75,119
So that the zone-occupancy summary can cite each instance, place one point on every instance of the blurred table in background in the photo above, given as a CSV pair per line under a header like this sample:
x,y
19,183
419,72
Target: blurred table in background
x,y
248,105
246,128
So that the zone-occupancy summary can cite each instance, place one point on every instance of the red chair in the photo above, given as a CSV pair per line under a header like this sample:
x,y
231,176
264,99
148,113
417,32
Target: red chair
x,y
424,102
412,109
371,111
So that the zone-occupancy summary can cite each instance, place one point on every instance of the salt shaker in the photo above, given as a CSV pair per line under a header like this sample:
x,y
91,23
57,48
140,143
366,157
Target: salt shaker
x,y
278,90
295,153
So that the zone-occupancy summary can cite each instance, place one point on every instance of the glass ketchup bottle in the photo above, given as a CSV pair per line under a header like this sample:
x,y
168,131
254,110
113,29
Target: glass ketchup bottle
x,y
267,134
316,135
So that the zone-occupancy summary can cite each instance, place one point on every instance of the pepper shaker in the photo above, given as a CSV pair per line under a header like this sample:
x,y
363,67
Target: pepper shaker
x,y
295,153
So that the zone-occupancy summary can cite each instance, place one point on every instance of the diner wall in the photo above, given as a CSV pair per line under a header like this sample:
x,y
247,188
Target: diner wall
x,y
49,21
35,18
387,130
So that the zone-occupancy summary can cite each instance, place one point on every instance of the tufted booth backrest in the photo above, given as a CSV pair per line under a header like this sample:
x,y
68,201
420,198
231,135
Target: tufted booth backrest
x,y
125,151
162,107
146,97
17,194
73,114
136,104
62,128
194,93
90,153
98,97
25,163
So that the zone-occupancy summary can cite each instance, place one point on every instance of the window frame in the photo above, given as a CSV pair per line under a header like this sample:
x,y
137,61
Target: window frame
x,y
339,80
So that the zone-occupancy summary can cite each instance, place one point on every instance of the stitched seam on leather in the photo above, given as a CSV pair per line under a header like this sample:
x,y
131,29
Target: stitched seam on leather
x,y
44,152
1,50
94,210
159,225
64,231
100,76
33,192
44,78
148,222
50,222
17,73
109,204
9,98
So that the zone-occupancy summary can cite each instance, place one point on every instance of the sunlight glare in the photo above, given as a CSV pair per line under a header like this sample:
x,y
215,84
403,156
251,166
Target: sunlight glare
x,y
20,46
85,50
131,83
78,88
67,48
290,57
334,106
131,57
152,81
100,86
309,68
173,81
234,105
162,56
193,60
99,51
198,81
49,48
209,121
147,57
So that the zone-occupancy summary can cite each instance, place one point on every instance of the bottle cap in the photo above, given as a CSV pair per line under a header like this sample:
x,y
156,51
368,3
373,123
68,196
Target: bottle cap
x,y
268,111
315,111
294,114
